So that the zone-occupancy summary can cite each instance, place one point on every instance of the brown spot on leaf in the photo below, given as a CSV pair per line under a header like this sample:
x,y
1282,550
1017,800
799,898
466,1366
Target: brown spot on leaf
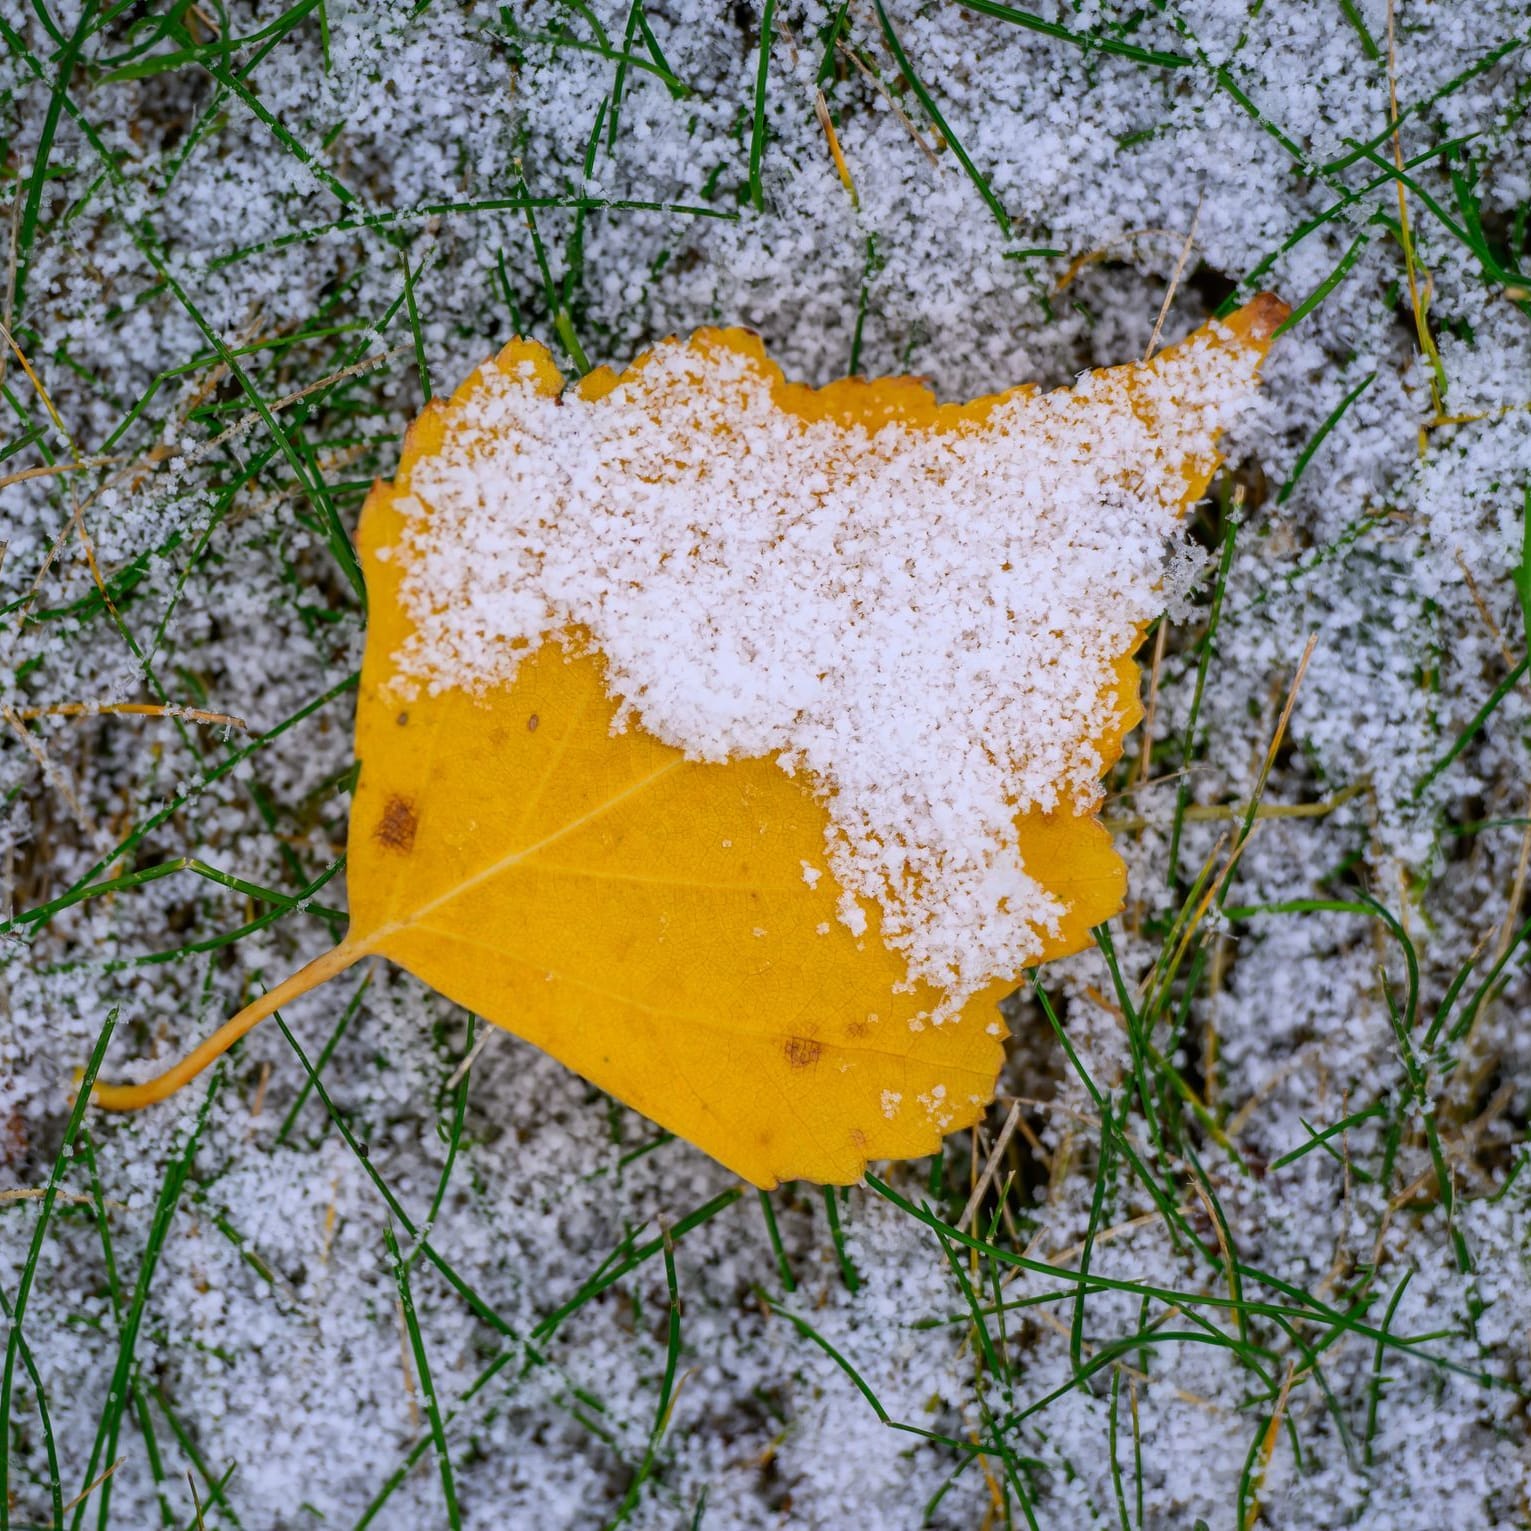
x,y
532,722
1267,313
396,828
402,719
857,1029
801,1052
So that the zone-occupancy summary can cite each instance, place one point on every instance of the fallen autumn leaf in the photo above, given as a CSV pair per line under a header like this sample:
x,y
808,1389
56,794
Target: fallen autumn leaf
x,y
622,797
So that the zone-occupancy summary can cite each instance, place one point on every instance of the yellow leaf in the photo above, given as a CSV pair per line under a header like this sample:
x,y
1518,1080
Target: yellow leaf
x,y
643,915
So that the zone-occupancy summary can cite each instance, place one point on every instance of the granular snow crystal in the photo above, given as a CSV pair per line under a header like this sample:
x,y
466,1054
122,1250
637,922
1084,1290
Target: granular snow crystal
x,y
924,612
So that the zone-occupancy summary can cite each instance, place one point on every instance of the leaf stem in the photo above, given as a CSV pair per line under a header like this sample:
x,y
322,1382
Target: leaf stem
x,y
134,1097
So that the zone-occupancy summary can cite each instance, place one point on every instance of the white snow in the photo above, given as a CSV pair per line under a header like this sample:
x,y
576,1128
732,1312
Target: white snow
x,y
1395,544
925,622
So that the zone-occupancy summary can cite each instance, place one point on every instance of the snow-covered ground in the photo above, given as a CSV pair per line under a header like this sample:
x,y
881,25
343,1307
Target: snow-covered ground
x,y
200,239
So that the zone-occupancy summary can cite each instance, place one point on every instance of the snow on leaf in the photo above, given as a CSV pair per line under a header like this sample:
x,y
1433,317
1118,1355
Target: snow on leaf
x,y
644,654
